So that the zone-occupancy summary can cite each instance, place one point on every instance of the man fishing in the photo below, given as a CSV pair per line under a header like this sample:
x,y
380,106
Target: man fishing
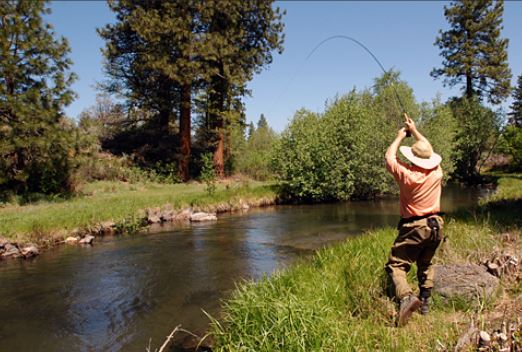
x,y
420,227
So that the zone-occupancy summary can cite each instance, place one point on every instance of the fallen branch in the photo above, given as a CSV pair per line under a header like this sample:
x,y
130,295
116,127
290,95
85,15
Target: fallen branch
x,y
169,338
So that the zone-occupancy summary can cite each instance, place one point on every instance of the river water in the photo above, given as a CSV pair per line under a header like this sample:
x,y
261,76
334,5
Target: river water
x,y
126,292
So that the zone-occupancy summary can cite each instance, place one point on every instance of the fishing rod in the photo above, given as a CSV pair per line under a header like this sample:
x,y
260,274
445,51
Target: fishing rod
x,y
338,36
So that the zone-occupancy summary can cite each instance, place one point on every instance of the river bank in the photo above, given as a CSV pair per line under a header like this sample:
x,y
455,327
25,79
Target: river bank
x,y
336,301
113,208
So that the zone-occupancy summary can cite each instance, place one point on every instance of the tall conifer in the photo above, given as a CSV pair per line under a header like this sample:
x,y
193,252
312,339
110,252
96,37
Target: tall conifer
x,y
515,115
474,53
162,53
34,87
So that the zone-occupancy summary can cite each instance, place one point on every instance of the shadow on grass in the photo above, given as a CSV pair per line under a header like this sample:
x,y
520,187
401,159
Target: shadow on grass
x,y
500,214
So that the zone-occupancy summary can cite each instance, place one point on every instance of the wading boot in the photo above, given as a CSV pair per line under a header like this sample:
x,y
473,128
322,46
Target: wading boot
x,y
424,297
425,305
408,305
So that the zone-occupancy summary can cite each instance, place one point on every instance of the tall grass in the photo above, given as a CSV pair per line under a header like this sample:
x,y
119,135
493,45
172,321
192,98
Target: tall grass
x,y
336,301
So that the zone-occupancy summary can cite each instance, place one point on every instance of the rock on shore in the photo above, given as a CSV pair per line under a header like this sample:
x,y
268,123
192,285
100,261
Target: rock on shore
x,y
467,281
10,249
201,216
86,240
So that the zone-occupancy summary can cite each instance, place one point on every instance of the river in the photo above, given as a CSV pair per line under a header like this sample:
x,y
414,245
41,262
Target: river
x,y
126,292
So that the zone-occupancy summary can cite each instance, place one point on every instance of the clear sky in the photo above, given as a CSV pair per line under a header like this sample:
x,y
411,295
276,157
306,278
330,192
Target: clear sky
x,y
400,34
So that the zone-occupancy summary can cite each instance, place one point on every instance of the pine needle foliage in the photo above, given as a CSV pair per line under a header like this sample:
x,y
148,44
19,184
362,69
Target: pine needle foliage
x,y
474,54
35,79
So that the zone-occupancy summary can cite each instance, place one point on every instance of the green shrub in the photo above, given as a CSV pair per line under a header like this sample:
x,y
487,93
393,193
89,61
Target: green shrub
x,y
478,127
512,145
339,154
208,173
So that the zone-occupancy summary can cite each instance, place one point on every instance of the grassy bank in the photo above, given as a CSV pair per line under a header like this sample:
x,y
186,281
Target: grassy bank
x,y
335,301
118,202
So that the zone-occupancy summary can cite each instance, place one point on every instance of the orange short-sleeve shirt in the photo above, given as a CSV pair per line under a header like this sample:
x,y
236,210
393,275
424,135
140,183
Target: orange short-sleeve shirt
x,y
420,189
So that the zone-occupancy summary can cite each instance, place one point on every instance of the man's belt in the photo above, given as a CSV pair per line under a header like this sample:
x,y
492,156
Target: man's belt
x,y
415,218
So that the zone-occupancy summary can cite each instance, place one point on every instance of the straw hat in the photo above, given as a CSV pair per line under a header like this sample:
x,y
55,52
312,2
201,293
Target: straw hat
x,y
421,154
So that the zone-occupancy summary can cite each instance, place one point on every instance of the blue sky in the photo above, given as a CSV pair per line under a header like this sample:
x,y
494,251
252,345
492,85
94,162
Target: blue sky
x,y
400,34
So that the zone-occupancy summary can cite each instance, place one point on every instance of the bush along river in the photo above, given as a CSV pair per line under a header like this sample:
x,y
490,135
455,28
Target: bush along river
x,y
127,293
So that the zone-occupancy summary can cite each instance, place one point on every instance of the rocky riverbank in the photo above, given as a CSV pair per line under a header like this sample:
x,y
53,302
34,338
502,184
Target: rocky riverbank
x,y
145,218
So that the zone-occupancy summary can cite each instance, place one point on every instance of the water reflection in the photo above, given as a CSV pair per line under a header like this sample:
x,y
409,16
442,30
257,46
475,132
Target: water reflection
x,y
126,290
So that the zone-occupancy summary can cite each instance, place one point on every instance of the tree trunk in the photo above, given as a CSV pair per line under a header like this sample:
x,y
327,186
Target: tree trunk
x,y
218,98
469,85
219,152
184,131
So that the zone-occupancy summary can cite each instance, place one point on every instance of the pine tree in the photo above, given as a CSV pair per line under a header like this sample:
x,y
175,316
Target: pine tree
x,y
251,130
474,53
262,123
34,88
241,37
162,53
515,116
151,57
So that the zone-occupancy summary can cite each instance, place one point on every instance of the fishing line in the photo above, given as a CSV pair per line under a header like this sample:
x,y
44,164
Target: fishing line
x,y
367,50
345,37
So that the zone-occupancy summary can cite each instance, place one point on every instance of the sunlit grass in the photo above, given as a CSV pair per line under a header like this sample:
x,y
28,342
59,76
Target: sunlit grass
x,y
116,201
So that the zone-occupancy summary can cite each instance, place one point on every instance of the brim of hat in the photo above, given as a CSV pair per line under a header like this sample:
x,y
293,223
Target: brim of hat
x,y
427,164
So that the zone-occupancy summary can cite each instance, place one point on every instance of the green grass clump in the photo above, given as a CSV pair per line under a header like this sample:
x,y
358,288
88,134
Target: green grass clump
x,y
336,301
116,201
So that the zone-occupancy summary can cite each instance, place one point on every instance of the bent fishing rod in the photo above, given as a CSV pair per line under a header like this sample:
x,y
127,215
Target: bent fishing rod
x,y
368,51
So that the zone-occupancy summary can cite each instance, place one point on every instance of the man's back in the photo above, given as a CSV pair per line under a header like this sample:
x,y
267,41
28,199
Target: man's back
x,y
420,189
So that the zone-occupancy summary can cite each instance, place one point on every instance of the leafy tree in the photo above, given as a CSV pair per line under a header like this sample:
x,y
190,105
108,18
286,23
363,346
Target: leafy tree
x,y
35,137
439,125
474,53
512,141
339,154
478,127
516,107
512,135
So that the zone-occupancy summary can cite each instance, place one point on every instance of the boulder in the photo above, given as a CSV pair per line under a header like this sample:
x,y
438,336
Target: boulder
x,y
154,215
466,281
107,228
72,239
183,215
243,205
3,242
201,216
167,215
10,250
223,207
87,240
29,250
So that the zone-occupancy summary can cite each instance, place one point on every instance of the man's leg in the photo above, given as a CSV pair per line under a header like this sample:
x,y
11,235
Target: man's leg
x,y
425,272
404,252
